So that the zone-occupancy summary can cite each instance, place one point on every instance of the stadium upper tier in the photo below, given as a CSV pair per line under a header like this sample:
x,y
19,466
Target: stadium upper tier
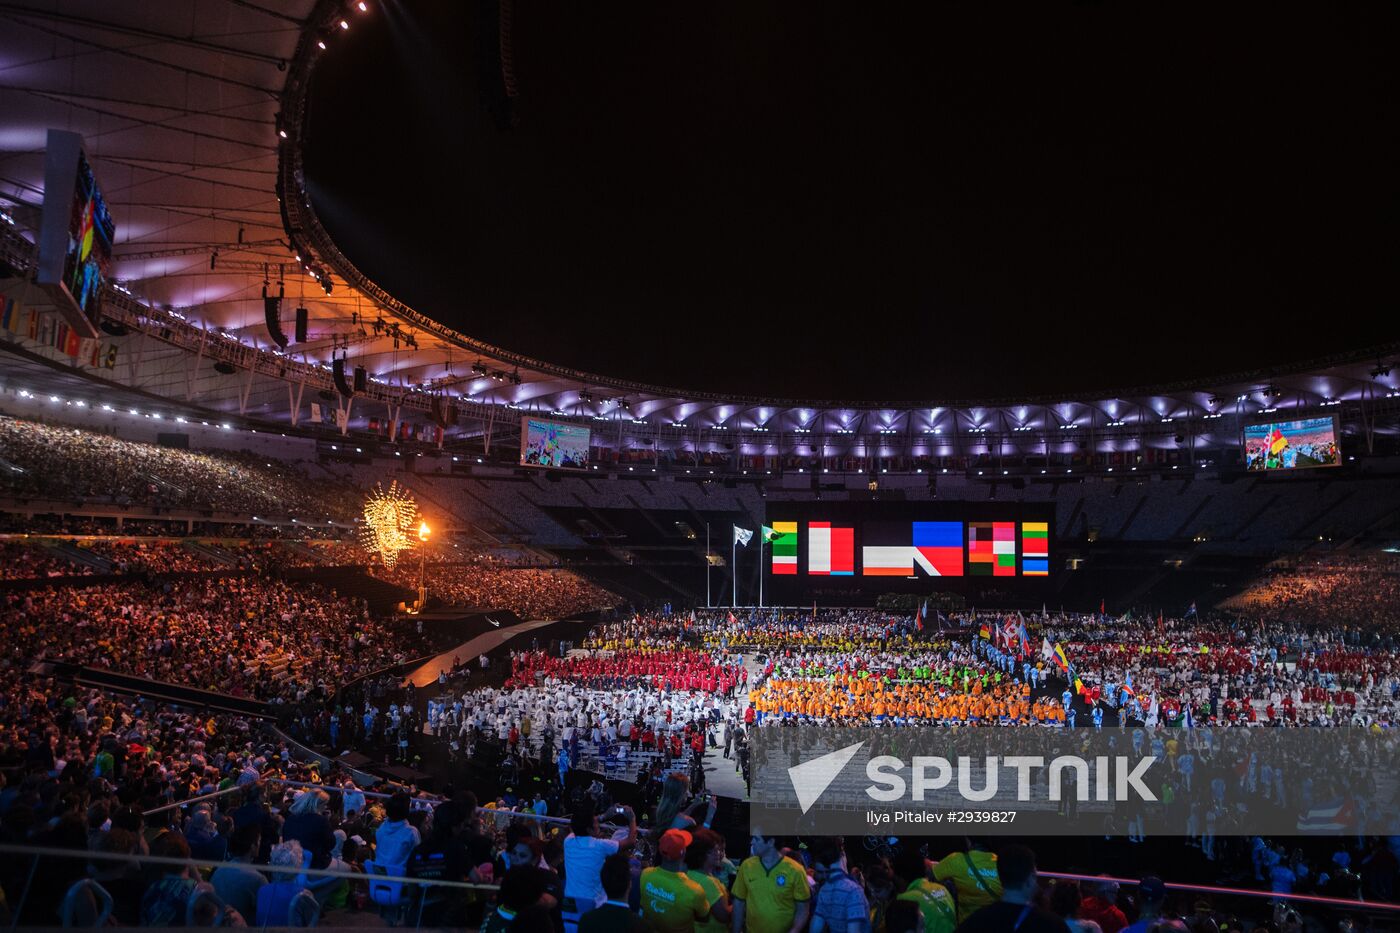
x,y
196,137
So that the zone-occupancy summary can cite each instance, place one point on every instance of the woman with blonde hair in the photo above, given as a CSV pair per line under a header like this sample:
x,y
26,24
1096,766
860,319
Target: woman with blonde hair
x,y
307,824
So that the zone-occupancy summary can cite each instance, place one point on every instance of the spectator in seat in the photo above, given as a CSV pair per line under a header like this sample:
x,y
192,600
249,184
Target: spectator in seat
x,y
206,842
308,825
237,882
615,916
286,901
168,896
396,838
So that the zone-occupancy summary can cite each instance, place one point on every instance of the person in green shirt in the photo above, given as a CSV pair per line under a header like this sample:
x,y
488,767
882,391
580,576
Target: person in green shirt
x,y
972,876
771,893
704,860
671,901
935,901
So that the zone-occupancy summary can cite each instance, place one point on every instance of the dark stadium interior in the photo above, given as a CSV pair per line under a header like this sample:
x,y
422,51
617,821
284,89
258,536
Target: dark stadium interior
x,y
449,477
933,202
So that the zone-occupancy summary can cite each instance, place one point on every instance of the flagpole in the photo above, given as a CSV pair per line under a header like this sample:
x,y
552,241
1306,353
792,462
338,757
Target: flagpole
x,y
760,568
733,570
707,565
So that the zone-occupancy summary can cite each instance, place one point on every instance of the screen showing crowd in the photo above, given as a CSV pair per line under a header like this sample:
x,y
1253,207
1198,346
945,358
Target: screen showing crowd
x,y
552,444
1289,445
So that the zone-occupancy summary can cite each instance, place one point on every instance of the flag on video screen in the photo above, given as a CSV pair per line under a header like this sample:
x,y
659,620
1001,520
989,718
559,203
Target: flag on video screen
x,y
1035,549
784,541
991,549
831,550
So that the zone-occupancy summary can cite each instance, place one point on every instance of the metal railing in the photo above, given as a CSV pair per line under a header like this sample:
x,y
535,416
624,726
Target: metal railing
x,y
417,894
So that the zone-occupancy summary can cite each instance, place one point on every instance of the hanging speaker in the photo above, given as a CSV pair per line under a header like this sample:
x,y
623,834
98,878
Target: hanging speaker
x,y
223,368
360,378
338,374
272,309
301,325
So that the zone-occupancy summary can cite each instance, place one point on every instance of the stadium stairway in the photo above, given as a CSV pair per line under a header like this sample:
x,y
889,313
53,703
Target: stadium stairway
x,y
130,685
297,549
211,554
1270,502
80,556
1181,530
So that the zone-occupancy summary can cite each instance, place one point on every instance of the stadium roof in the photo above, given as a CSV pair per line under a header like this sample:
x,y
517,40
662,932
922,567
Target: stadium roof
x,y
192,114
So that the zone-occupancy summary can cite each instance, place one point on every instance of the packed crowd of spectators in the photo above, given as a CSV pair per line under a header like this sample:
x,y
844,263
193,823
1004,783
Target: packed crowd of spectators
x,y
1336,590
149,557
87,765
245,636
55,462
25,561
529,592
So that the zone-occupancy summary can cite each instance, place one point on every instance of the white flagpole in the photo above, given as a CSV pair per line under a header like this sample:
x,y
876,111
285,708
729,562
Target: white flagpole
x,y
760,566
733,569
707,565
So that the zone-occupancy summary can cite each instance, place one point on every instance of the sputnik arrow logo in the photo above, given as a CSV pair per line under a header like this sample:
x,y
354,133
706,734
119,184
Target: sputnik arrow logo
x,y
811,778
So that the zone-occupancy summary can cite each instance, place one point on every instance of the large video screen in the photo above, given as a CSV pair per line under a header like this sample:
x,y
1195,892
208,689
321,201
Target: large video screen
x,y
552,444
848,549
75,247
1291,445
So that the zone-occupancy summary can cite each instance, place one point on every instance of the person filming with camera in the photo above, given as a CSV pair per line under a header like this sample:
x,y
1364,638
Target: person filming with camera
x,y
585,850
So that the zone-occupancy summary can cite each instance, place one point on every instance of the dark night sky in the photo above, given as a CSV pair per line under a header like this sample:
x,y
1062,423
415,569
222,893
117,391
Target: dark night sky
x,y
867,201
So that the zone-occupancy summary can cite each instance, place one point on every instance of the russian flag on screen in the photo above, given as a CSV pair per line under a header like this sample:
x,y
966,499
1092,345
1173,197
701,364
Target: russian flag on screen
x,y
940,543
